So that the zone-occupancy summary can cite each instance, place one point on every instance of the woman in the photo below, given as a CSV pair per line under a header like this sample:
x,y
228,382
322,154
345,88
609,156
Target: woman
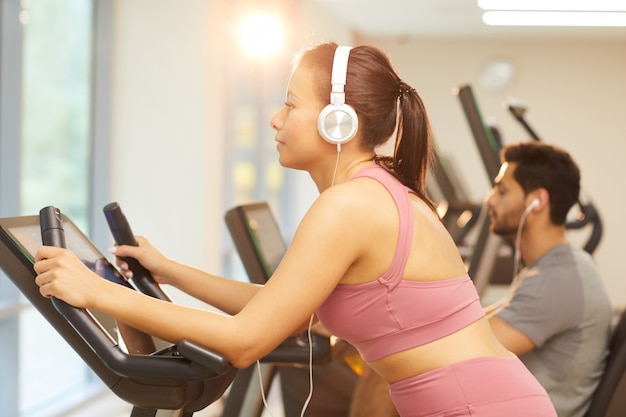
x,y
370,258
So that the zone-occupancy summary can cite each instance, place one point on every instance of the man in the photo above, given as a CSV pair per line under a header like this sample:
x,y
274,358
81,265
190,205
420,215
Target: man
x,y
557,318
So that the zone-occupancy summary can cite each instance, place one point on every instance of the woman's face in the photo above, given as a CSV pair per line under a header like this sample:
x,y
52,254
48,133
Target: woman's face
x,y
297,140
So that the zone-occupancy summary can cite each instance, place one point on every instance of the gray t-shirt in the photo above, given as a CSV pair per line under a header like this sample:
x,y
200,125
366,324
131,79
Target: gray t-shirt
x,y
562,305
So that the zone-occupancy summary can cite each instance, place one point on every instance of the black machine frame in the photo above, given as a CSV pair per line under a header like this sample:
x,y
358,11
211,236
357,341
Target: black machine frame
x,y
185,377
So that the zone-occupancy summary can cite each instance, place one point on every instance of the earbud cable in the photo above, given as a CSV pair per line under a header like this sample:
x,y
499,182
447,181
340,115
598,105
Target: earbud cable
x,y
518,240
517,278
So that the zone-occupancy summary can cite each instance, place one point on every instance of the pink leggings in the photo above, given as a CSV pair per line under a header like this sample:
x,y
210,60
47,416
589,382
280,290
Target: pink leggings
x,y
481,387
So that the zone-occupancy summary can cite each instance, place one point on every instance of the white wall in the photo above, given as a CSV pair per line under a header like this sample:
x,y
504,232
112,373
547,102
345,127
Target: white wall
x,y
166,124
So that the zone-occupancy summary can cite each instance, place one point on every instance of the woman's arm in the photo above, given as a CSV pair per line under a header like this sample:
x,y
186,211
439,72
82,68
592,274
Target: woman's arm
x,y
225,294
322,250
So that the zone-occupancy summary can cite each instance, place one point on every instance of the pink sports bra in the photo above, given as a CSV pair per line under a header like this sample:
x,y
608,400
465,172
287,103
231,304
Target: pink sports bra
x,y
389,315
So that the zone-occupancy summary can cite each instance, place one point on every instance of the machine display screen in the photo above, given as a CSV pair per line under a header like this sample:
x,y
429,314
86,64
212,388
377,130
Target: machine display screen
x,y
28,237
25,235
257,237
266,236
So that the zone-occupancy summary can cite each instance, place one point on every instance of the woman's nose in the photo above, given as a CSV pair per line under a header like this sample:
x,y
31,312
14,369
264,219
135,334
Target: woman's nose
x,y
275,121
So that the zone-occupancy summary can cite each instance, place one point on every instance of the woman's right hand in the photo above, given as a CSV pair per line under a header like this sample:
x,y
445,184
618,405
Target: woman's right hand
x,y
61,274
146,254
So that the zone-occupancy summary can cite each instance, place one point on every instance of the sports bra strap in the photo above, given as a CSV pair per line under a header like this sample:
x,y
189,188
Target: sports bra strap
x,y
400,195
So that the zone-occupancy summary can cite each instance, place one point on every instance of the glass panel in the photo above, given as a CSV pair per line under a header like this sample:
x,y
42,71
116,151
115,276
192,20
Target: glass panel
x,y
56,121
55,171
50,371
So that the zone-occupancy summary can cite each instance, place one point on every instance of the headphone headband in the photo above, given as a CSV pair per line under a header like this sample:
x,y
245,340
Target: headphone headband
x,y
338,122
339,74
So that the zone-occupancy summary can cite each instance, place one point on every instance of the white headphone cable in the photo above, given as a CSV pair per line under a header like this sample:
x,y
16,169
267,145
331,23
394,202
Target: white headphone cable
x,y
336,164
310,338
267,407
308,399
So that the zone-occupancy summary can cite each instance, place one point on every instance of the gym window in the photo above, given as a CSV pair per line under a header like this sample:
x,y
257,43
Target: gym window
x,y
47,139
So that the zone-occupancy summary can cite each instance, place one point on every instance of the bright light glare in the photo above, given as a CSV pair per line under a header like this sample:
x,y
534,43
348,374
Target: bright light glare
x,y
262,35
562,5
508,18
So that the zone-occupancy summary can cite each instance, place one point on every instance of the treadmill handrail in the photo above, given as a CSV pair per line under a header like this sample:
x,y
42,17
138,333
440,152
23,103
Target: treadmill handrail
x,y
141,366
121,363
487,144
123,235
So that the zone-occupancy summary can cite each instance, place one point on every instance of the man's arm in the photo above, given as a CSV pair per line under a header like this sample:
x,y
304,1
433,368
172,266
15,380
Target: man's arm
x,y
512,339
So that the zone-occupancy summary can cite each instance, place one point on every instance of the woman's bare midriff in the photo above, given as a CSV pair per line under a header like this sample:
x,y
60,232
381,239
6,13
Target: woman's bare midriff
x,y
473,341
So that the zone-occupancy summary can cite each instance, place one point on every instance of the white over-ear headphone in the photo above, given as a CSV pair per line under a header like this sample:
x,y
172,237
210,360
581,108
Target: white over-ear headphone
x,y
338,122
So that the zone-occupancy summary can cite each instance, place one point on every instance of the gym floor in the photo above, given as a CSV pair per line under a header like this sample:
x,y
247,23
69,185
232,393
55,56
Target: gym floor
x,y
108,404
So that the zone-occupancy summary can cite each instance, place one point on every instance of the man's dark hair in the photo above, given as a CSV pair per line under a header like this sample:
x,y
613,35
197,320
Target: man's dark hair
x,y
540,165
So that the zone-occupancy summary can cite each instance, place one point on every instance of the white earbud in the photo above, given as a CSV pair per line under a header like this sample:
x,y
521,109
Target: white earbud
x,y
532,205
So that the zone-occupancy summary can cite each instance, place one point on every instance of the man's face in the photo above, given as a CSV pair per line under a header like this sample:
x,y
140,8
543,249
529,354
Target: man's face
x,y
505,202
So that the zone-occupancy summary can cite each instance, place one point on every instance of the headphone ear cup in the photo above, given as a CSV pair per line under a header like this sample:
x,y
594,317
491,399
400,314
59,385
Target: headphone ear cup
x,y
337,123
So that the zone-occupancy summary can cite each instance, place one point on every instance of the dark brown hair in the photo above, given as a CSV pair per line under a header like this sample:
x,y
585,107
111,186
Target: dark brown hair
x,y
540,165
373,89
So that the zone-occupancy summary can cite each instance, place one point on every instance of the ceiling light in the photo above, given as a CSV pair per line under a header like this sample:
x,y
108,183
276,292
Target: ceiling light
x,y
556,5
517,18
262,35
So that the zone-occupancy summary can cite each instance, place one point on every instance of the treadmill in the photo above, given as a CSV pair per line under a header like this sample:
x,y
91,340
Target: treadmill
x,y
181,379
491,259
